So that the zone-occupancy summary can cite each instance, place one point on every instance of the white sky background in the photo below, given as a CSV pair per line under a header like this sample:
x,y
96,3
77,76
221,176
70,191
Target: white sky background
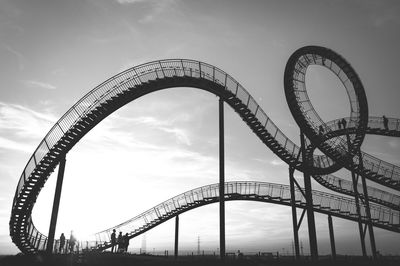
x,y
54,52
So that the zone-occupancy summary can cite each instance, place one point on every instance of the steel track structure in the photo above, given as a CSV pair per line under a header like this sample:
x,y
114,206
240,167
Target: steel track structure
x,y
138,81
325,203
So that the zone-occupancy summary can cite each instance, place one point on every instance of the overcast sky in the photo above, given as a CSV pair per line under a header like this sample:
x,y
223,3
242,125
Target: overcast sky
x,y
54,52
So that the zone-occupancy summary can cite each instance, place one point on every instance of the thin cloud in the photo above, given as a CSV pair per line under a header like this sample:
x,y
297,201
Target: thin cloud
x,y
20,57
14,145
150,121
181,134
110,132
24,122
276,162
38,84
158,7
59,72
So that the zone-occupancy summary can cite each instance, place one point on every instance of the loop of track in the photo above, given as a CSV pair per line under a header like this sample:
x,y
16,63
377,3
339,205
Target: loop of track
x,y
306,116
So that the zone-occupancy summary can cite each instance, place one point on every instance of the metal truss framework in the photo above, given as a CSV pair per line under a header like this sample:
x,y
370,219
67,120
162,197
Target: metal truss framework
x,y
135,82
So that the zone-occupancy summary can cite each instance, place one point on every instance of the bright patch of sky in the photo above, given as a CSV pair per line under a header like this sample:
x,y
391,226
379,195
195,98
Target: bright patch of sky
x,y
53,52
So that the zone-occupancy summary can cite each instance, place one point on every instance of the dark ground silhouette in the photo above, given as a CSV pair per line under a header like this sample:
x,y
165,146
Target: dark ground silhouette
x,y
105,259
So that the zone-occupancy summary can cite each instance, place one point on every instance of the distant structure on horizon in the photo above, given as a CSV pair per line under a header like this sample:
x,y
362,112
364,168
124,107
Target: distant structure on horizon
x,y
143,248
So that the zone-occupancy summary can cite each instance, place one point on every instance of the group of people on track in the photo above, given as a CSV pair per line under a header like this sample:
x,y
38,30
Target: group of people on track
x,y
119,244
342,123
63,248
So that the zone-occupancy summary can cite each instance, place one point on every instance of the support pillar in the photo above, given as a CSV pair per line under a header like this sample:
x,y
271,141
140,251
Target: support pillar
x,y
368,212
332,237
176,236
354,179
294,213
312,234
358,209
221,181
56,204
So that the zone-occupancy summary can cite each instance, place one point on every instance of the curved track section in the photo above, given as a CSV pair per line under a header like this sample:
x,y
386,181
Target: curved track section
x,y
326,203
132,84
325,137
375,126
344,186
304,113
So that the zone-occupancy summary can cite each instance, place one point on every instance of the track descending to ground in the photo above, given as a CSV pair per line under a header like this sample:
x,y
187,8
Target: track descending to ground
x,y
138,81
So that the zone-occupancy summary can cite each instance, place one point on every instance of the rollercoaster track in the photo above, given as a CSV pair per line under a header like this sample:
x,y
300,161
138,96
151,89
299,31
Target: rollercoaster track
x,y
343,152
325,203
344,186
150,77
306,116
375,127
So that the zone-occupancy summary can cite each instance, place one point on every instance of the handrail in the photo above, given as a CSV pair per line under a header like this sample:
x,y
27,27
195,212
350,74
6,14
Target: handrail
x,y
246,190
47,154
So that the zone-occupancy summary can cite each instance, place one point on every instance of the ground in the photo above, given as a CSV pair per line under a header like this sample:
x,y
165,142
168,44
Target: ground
x,y
105,259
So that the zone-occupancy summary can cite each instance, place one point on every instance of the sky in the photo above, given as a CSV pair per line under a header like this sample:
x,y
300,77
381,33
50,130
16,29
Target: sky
x,y
53,52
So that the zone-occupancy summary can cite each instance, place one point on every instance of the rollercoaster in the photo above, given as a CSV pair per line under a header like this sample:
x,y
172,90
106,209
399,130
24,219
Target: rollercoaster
x,y
340,144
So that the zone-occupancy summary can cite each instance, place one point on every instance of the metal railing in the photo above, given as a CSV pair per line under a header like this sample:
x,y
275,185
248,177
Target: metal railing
x,y
126,81
246,190
171,68
371,163
376,195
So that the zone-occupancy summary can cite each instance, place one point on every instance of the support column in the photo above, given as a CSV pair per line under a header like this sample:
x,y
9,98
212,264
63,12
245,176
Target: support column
x,y
56,204
221,181
176,236
359,220
294,213
357,200
368,211
312,234
332,237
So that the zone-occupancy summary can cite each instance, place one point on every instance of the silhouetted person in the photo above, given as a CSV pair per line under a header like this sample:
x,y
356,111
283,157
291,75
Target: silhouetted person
x,y
385,122
72,242
113,241
339,123
126,242
340,183
321,130
62,242
344,123
120,241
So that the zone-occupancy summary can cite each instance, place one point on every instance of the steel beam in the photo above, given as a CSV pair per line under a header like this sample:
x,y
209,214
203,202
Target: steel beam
x,y
56,204
368,211
357,200
332,237
176,236
294,213
221,181
312,234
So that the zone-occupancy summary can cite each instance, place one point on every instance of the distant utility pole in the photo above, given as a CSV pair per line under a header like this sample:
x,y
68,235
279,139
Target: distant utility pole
x,y
198,245
144,243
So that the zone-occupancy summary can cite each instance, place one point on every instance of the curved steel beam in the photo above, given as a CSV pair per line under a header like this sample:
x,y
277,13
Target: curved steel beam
x,y
325,203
